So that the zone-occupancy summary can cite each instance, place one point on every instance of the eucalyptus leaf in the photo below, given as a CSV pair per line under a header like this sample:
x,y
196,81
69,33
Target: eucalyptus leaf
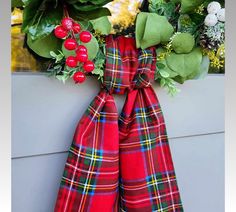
x,y
185,65
43,46
102,25
152,29
92,48
66,52
203,68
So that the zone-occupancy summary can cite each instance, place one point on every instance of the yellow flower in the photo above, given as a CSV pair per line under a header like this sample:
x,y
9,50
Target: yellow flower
x,y
123,12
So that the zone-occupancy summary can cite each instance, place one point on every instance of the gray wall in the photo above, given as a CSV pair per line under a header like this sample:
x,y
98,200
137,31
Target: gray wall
x,y
44,116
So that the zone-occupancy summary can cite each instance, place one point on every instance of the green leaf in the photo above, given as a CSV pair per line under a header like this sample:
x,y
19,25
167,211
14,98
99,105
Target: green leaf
x,y
67,52
160,65
152,29
17,3
189,5
163,73
43,46
92,48
185,65
203,68
183,43
93,14
41,17
102,25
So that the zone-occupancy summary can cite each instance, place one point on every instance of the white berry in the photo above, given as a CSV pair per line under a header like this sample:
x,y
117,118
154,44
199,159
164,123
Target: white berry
x,y
211,20
213,7
221,15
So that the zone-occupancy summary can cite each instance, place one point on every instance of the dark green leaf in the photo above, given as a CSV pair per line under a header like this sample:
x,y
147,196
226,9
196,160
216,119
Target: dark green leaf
x,y
17,3
40,18
43,46
88,15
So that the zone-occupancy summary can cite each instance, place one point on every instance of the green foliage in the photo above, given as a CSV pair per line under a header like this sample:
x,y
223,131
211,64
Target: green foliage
x,y
99,64
182,67
41,17
17,3
152,29
102,25
44,45
189,5
165,80
183,43
92,48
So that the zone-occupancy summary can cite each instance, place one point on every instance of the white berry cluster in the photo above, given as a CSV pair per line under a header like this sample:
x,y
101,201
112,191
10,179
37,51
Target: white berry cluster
x,y
215,14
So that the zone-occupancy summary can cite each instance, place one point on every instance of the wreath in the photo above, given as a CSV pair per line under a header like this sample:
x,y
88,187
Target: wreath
x,y
190,35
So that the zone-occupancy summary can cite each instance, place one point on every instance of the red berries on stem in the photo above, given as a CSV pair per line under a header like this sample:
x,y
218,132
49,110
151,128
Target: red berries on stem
x,y
79,77
70,44
67,23
69,30
76,28
71,61
82,57
88,66
85,36
60,32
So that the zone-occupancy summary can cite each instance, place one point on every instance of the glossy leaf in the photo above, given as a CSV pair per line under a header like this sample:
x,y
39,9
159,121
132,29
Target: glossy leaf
x,y
43,46
40,18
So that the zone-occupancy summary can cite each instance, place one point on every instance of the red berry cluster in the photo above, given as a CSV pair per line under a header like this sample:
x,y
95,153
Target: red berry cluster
x,y
67,31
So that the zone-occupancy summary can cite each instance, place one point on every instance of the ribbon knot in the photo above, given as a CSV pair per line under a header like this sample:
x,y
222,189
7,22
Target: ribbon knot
x,y
128,68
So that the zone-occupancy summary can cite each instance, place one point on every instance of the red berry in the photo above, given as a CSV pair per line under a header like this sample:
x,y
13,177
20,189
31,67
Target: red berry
x,y
70,44
76,28
88,66
81,48
60,32
82,57
79,77
67,23
71,61
85,36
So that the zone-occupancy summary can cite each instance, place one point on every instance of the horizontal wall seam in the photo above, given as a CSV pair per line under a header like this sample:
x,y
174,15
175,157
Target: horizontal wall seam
x,y
65,151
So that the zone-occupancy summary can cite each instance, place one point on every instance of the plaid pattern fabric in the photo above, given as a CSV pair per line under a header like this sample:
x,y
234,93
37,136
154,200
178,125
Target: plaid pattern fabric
x,y
121,163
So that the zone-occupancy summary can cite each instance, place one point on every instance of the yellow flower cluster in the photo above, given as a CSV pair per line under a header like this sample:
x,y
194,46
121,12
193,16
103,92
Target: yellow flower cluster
x,y
216,58
199,10
123,12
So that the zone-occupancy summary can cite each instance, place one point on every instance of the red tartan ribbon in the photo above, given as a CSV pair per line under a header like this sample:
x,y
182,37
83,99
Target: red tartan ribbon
x,y
121,163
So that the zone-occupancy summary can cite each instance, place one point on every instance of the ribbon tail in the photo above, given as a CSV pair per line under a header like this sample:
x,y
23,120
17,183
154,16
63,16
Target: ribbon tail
x,y
90,178
148,181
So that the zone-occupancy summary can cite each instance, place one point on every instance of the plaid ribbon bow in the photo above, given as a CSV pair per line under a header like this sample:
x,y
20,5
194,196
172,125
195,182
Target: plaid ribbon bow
x,y
121,163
